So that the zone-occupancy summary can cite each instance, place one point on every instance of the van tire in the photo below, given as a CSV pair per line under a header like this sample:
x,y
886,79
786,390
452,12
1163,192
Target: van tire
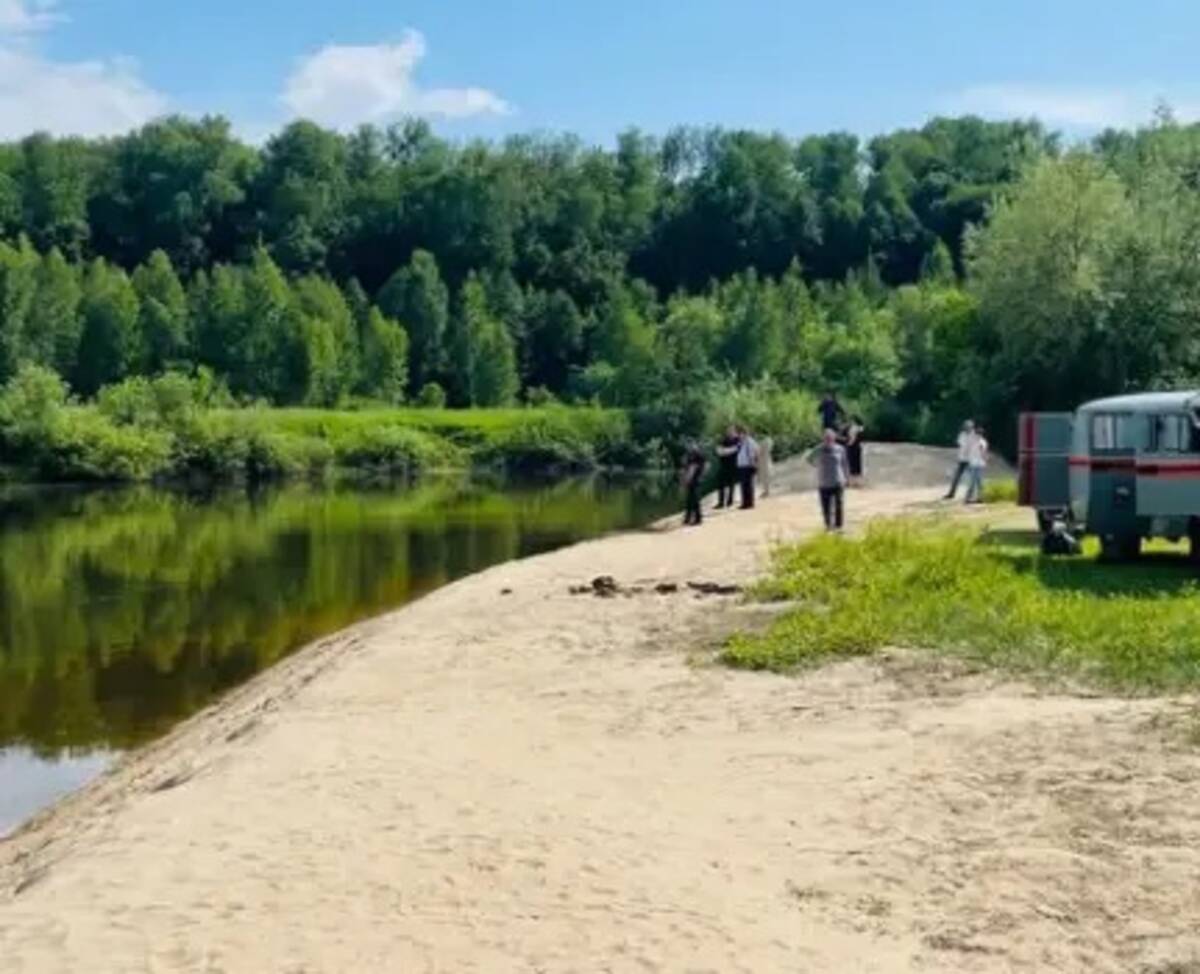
x,y
1118,549
1194,542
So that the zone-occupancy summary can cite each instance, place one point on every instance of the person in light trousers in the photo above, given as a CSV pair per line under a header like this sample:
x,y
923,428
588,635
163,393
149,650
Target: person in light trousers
x,y
977,461
965,438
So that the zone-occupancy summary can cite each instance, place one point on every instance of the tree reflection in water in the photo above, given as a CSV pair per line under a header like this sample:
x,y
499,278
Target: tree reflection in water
x,y
122,612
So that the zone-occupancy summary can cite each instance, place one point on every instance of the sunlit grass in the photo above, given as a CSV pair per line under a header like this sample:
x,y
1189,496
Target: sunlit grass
x,y
1002,490
552,436
991,597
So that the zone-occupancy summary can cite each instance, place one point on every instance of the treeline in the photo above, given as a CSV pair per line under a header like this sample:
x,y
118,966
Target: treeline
x,y
294,341
323,266
965,267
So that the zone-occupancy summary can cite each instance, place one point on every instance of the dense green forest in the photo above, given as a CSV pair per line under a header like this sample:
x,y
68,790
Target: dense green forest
x,y
967,267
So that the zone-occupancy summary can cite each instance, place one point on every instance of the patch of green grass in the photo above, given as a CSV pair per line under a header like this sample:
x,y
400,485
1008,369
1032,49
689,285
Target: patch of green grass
x,y
1002,490
551,436
990,597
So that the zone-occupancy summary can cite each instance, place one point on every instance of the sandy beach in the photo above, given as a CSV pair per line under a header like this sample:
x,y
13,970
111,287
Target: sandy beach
x,y
506,776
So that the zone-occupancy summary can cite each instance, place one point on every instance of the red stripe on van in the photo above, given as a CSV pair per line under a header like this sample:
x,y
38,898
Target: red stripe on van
x,y
1099,464
1169,470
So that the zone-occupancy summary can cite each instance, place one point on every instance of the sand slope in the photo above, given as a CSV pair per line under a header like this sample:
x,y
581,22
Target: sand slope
x,y
543,782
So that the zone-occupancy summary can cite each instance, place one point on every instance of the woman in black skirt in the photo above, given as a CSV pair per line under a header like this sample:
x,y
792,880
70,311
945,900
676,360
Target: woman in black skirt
x,y
854,450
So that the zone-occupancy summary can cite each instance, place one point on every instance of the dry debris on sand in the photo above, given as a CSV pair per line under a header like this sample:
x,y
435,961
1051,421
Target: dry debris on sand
x,y
544,782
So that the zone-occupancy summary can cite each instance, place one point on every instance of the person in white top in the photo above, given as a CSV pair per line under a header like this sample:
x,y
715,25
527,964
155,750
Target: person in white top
x,y
964,462
765,463
977,460
747,463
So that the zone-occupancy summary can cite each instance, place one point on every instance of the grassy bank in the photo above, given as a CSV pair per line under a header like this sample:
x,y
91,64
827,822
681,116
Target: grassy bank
x,y
176,427
990,597
180,426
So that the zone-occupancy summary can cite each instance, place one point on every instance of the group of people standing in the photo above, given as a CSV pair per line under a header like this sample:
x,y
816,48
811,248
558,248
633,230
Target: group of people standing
x,y
742,464
745,464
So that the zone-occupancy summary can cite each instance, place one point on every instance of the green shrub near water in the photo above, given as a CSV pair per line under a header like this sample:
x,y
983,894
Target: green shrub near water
x,y
789,418
180,426
993,598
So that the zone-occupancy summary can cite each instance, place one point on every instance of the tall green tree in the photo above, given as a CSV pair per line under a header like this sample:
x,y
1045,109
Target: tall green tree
x,y
108,346
54,326
623,339
384,358
417,297
331,342
484,350
164,320
752,347
177,185
554,329
1040,273
271,359
18,287
217,308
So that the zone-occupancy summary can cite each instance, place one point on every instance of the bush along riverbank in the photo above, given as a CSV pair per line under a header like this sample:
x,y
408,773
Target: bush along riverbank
x,y
181,427
187,427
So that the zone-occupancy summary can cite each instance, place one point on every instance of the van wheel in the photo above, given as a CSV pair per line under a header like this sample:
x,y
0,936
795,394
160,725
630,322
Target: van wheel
x,y
1120,549
1194,542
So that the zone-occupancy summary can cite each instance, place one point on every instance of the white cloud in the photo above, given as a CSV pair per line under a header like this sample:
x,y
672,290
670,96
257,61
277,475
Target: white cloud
x,y
344,86
1081,108
89,98
28,16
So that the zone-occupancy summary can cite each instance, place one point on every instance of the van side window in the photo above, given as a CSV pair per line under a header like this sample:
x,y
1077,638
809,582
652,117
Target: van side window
x,y
1104,432
1172,434
1132,432
1119,431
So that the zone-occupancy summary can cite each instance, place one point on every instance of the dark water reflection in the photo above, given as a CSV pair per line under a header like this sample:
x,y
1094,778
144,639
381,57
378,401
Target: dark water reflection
x,y
122,612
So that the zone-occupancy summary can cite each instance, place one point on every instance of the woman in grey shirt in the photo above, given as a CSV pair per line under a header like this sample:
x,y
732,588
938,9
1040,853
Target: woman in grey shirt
x,y
833,473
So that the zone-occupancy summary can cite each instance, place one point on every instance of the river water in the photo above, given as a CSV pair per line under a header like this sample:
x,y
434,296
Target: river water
x,y
124,611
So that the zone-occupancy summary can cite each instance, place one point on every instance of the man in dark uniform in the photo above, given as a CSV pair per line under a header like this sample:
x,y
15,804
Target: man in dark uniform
x,y
727,467
831,412
694,463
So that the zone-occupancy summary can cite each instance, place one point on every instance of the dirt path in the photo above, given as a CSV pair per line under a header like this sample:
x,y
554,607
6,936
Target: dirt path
x,y
540,781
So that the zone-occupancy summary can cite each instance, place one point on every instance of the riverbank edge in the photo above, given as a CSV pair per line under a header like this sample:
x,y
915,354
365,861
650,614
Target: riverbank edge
x,y
156,765
194,743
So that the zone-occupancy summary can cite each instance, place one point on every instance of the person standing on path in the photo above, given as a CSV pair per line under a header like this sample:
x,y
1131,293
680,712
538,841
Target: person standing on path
x,y
977,460
747,466
854,450
694,463
831,412
833,473
766,464
964,452
727,467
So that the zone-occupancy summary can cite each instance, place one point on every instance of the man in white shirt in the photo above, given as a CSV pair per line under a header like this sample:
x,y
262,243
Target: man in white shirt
x,y
747,462
977,459
965,438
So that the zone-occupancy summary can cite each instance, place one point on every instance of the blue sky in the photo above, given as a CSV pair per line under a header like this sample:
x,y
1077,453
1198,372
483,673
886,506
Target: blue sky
x,y
490,67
